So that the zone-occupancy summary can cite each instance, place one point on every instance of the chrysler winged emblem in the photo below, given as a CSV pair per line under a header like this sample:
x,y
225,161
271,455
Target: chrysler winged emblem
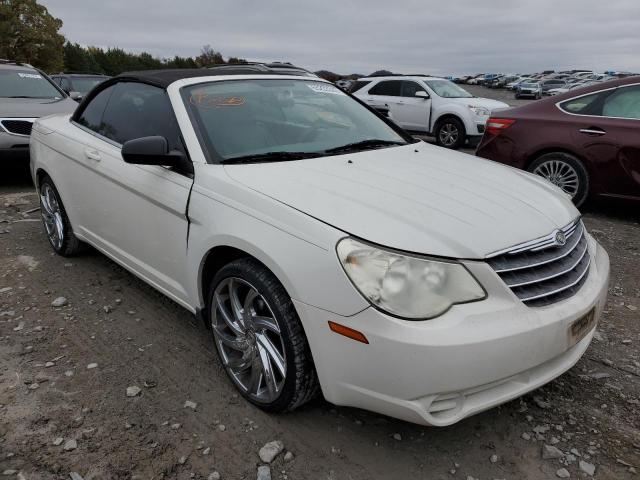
x,y
560,238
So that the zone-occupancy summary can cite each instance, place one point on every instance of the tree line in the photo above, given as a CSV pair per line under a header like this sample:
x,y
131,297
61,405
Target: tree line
x,y
112,61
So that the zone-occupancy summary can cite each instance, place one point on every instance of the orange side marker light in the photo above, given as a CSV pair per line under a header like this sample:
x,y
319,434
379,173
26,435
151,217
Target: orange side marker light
x,y
348,332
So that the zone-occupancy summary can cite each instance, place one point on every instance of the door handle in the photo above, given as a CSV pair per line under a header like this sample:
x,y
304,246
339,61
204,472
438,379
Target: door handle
x,y
592,131
92,155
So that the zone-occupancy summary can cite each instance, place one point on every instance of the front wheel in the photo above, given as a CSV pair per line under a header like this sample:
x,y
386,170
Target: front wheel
x,y
565,171
450,133
259,337
56,222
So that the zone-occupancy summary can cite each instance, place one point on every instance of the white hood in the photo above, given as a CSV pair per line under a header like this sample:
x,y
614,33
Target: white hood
x,y
491,105
418,198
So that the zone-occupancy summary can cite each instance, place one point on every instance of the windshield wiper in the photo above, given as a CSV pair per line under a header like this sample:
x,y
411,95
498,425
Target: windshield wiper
x,y
271,157
363,145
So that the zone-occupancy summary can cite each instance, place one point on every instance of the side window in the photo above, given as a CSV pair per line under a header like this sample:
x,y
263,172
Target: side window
x,y
587,105
390,88
137,110
623,103
65,85
358,85
409,89
91,116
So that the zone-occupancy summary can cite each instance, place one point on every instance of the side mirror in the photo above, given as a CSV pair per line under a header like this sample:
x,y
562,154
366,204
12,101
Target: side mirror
x,y
77,96
421,94
152,151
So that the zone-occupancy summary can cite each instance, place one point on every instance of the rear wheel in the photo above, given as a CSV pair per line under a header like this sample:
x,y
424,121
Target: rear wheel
x,y
450,133
56,223
565,171
259,337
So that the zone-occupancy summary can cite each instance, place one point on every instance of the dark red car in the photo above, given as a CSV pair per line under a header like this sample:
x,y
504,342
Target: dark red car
x,y
586,141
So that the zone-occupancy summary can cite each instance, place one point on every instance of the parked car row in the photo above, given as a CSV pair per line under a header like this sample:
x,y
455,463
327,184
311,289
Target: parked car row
x,y
544,83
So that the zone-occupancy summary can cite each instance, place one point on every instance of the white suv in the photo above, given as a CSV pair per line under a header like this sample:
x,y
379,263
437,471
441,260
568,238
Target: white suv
x,y
430,105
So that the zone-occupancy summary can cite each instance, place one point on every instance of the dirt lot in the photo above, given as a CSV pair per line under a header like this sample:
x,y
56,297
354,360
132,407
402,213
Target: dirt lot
x,y
58,415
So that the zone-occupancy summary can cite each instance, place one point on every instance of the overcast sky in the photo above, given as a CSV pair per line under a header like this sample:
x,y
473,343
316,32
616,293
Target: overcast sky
x,y
347,36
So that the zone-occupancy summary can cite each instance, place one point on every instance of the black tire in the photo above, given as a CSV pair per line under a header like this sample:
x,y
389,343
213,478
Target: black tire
x,y
455,125
300,381
567,162
68,245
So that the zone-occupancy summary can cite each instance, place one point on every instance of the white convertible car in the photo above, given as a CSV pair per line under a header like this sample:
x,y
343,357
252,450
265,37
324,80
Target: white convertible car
x,y
324,248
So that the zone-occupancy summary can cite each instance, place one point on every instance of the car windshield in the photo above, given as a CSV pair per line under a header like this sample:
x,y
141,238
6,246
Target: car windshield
x,y
26,84
528,85
239,119
85,84
446,89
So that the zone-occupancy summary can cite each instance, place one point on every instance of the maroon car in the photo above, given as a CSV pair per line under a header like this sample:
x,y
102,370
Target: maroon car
x,y
586,141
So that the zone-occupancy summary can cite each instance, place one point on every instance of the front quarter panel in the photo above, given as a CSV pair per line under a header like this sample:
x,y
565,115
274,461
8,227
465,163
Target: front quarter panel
x,y
443,108
298,249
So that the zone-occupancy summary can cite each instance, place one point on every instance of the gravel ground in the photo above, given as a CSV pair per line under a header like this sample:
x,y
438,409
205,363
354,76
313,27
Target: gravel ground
x,y
67,404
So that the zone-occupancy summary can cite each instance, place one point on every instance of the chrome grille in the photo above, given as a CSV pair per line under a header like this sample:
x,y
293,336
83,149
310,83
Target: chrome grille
x,y
17,126
543,271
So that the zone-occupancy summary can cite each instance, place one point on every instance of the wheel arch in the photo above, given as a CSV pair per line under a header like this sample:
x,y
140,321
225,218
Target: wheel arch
x,y
40,174
215,259
449,114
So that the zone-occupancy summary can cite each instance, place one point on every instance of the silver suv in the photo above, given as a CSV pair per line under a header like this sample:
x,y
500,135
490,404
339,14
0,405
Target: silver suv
x,y
25,95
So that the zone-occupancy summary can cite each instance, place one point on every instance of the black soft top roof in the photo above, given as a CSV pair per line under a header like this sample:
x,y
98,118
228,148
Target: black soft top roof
x,y
164,78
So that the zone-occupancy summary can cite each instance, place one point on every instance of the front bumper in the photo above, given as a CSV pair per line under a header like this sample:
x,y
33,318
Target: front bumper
x,y
13,146
474,357
475,127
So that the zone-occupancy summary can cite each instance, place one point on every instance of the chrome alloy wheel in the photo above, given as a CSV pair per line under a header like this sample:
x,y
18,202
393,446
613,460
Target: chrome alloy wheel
x,y
249,340
560,174
449,134
52,216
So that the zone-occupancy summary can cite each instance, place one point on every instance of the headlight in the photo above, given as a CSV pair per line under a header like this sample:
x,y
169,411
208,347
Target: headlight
x,y
480,111
406,286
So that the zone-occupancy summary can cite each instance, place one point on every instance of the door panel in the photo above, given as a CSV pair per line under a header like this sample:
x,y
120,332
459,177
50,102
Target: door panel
x,y
134,213
609,135
414,111
388,93
138,215
612,147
